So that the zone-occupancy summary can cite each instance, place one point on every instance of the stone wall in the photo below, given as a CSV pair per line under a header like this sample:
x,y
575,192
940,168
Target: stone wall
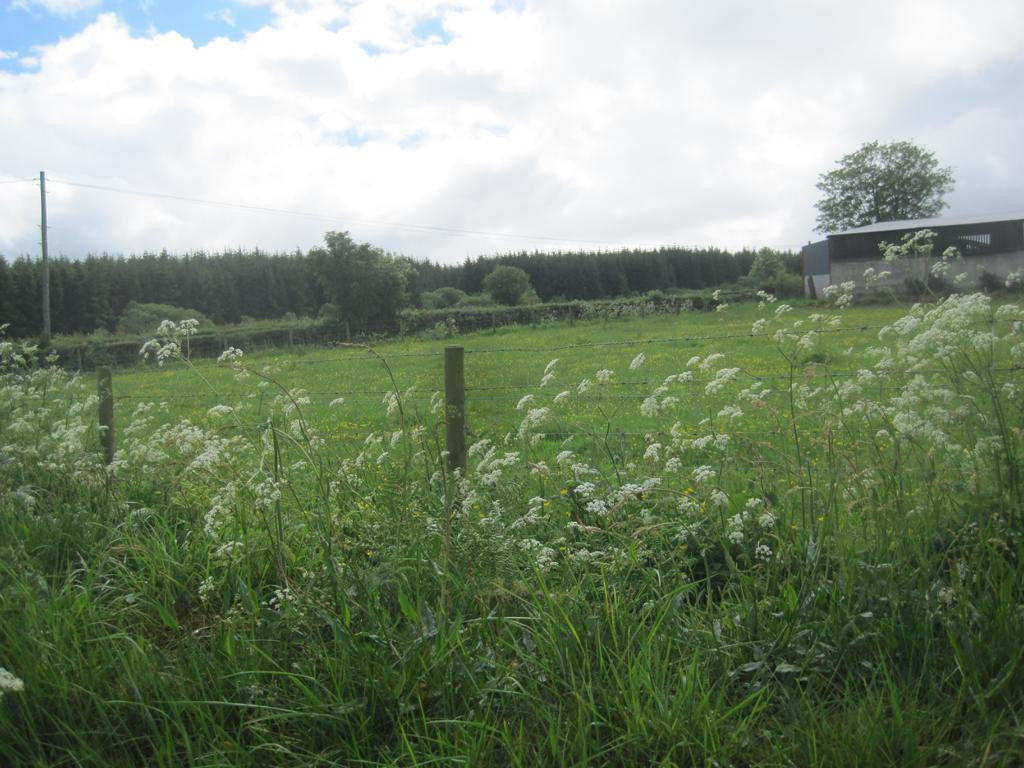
x,y
998,264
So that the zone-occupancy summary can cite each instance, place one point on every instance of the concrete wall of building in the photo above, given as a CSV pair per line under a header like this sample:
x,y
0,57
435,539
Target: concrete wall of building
x,y
820,284
998,264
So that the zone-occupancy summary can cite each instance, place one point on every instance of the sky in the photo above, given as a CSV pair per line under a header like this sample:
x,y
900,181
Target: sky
x,y
454,128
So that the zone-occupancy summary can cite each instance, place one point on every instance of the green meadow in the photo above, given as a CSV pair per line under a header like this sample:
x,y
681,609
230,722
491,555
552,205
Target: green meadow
x,y
503,365
769,536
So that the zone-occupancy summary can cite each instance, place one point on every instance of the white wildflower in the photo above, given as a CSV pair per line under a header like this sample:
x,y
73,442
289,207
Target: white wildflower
x,y
649,407
722,377
704,474
534,417
230,355
719,498
9,683
585,490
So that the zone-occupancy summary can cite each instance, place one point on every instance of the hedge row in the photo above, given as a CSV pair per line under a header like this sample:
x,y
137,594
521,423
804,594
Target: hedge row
x,y
86,355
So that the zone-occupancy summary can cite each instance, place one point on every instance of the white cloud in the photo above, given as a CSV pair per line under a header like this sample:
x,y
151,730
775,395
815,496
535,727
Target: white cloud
x,y
56,7
628,121
224,15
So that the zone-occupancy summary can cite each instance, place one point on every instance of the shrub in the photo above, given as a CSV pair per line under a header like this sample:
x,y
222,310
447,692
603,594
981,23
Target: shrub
x,y
443,297
507,285
142,318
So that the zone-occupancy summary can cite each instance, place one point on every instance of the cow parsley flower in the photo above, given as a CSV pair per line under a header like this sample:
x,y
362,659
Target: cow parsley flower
x,y
649,407
230,355
704,474
9,683
719,498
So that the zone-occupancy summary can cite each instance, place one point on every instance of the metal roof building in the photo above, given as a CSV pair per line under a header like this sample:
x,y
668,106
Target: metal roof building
x,y
988,243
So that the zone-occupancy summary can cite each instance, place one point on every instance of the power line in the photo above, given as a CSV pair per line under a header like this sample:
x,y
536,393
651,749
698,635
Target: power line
x,y
337,219
16,181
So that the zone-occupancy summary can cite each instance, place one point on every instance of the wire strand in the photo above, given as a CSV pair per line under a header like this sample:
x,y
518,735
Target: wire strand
x,y
341,220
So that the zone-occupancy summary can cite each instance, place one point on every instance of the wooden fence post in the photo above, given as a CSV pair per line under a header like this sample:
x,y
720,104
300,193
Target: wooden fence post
x,y
105,390
348,333
455,407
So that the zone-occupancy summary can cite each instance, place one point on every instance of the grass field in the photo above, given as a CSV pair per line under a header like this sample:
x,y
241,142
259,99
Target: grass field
x,y
504,365
806,551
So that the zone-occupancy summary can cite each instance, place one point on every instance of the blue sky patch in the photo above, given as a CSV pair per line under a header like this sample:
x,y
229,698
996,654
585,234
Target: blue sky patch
x,y
25,24
432,28
372,50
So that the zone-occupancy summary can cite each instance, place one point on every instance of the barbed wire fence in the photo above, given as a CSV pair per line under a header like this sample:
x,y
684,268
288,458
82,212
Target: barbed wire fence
x,y
460,399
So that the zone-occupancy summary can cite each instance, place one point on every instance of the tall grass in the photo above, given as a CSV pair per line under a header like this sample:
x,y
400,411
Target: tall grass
x,y
819,569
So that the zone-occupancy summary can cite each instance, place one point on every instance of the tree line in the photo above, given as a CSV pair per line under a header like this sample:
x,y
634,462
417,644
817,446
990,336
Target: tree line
x,y
341,280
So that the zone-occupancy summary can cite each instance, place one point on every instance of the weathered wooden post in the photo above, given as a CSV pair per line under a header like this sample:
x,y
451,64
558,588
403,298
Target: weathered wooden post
x,y
455,407
348,333
105,390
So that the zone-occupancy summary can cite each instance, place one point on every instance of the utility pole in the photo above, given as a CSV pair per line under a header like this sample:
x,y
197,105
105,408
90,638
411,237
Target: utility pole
x,y
46,260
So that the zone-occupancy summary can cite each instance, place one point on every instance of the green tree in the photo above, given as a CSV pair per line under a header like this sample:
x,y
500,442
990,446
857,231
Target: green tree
x,y
367,285
445,296
507,284
882,182
770,272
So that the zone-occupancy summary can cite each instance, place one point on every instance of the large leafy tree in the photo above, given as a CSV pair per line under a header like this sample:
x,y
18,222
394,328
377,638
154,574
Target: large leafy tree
x,y
507,284
882,182
367,285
